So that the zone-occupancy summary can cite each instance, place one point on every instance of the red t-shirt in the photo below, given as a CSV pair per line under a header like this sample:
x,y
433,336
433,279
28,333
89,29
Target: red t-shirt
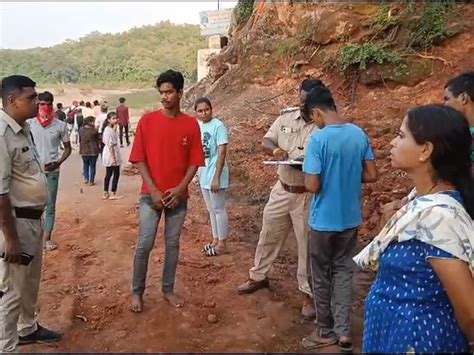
x,y
168,146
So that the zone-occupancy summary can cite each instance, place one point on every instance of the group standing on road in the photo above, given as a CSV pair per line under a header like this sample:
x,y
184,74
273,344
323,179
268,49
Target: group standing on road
x,y
424,253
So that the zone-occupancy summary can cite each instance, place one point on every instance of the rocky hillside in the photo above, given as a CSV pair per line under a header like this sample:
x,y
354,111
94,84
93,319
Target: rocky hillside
x,y
378,60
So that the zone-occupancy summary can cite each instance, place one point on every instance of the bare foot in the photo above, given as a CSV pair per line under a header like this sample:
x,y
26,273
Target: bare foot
x,y
173,299
137,304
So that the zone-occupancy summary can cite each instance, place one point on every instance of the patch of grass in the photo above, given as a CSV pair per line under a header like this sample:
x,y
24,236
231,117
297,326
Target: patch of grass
x,y
430,29
401,69
361,55
384,18
244,10
138,100
285,49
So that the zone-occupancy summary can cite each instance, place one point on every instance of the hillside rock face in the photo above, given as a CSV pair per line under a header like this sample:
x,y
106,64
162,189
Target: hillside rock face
x,y
284,39
258,74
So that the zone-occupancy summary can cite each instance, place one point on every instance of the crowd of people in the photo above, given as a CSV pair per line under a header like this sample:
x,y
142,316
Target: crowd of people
x,y
421,299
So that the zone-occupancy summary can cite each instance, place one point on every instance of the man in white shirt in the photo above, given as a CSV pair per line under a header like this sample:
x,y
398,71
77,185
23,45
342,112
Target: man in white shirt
x,y
48,133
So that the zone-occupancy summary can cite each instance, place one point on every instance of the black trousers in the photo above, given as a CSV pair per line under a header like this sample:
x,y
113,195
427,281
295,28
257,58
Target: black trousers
x,y
121,131
111,172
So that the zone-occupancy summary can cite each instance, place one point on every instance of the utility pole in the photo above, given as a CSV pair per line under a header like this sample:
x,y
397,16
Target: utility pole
x,y
218,5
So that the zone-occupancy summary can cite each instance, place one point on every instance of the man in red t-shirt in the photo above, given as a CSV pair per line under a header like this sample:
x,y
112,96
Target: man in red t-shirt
x,y
167,151
123,121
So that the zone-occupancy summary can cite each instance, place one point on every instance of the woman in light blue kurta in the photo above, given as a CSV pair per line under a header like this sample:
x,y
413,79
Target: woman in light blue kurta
x,y
422,299
214,177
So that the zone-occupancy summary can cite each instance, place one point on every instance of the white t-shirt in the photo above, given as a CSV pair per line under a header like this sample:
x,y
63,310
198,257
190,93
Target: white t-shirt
x,y
48,139
97,111
88,112
99,121
111,148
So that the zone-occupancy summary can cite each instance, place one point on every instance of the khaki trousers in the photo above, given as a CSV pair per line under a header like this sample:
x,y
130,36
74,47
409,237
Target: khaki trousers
x,y
283,211
19,286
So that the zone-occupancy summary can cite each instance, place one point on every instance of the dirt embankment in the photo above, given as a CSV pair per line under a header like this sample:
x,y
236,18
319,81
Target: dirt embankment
x,y
282,43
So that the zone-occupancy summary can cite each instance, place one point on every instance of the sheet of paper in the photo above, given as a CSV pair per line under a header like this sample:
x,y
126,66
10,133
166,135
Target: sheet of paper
x,y
283,162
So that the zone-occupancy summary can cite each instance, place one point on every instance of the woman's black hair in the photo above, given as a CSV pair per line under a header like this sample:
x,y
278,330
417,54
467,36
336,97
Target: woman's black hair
x,y
448,131
201,100
107,120
309,84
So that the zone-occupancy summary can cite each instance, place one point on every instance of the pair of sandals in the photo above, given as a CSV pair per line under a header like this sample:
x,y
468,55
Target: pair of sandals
x,y
210,250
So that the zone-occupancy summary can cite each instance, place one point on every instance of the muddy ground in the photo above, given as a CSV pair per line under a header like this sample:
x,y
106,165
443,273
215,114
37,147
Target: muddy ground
x,y
86,283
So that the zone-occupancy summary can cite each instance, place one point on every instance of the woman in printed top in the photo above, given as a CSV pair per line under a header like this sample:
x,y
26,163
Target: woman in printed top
x,y
214,177
111,156
422,300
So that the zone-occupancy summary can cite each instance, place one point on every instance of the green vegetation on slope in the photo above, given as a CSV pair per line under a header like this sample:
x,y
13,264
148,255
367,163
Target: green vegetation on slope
x,y
135,56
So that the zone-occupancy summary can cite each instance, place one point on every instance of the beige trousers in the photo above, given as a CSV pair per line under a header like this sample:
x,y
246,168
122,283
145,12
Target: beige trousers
x,y
19,286
283,211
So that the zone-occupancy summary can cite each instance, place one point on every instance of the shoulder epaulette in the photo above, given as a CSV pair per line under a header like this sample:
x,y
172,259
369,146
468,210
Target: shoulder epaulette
x,y
3,127
288,110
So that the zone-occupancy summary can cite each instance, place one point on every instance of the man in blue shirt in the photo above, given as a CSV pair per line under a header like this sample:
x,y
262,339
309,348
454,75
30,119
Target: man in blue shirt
x,y
459,94
339,159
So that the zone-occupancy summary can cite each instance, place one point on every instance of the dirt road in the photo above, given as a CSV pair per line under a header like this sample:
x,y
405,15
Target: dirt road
x,y
86,282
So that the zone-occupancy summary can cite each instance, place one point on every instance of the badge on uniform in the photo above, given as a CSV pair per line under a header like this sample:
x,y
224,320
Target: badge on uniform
x,y
288,130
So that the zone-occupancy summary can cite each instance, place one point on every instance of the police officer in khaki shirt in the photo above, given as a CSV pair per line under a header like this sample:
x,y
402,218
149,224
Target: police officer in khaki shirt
x,y
23,196
289,202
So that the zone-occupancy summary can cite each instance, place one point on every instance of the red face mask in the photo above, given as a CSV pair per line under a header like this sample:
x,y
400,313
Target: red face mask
x,y
45,115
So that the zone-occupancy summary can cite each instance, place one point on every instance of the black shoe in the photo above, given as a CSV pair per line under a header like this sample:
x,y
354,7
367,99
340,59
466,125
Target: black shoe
x,y
41,335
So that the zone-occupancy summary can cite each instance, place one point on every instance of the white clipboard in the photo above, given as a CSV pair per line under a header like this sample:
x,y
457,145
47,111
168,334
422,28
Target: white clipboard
x,y
283,162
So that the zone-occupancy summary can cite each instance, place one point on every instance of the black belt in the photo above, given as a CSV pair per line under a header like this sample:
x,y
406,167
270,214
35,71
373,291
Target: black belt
x,y
28,213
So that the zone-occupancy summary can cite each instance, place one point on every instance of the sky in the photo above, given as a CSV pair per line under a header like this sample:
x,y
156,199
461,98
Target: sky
x,y
42,24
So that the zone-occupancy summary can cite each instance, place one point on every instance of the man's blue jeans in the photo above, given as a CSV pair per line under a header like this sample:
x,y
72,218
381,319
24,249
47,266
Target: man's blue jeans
x,y
148,226
89,167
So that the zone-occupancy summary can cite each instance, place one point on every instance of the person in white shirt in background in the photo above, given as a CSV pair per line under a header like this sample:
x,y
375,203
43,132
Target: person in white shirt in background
x,y
48,133
96,108
88,110
99,123
111,157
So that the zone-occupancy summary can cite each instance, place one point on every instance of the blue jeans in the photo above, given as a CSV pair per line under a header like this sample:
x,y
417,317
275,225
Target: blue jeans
x,y
149,218
89,167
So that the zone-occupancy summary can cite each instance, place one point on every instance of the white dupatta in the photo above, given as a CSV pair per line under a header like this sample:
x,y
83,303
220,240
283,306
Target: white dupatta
x,y
436,219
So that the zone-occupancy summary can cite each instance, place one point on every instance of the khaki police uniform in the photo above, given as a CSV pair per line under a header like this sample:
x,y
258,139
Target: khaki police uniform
x,y
289,203
21,177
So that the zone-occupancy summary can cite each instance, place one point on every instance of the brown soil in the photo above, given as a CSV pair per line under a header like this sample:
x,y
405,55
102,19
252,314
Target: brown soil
x,y
86,283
